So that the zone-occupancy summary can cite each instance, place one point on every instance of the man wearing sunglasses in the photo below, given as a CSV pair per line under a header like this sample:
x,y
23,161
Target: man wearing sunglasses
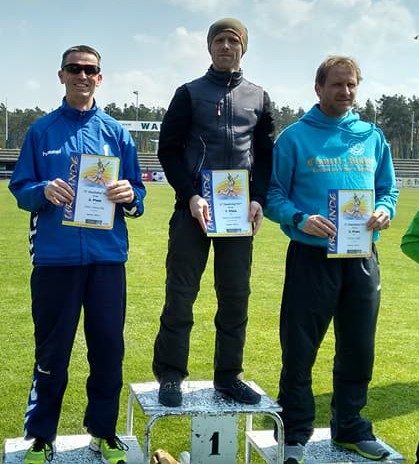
x,y
77,265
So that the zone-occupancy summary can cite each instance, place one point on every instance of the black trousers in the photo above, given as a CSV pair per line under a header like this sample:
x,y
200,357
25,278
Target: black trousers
x,y
58,293
317,290
186,260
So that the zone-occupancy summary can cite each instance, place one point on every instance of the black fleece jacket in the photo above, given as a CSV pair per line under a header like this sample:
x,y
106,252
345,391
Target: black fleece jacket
x,y
212,112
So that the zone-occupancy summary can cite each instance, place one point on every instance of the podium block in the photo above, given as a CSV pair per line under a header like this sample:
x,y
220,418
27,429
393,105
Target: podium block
x,y
214,438
214,419
319,450
72,449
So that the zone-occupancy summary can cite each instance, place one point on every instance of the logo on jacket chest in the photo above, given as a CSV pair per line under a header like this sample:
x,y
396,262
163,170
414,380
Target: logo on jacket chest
x,y
51,152
356,148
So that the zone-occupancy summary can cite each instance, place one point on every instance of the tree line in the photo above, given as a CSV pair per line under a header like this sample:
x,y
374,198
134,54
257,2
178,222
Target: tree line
x,y
397,116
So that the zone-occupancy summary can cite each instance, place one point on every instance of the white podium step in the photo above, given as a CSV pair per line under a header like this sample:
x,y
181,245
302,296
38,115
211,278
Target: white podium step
x,y
72,449
318,450
214,431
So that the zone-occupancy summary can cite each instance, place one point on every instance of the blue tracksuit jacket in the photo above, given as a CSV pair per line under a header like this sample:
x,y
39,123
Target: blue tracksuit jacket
x,y
45,155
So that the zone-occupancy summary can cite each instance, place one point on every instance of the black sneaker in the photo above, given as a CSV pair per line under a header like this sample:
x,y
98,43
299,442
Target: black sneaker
x,y
238,391
170,393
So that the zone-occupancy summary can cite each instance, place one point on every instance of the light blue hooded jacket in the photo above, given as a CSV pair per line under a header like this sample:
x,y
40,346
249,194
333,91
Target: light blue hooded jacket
x,y
318,153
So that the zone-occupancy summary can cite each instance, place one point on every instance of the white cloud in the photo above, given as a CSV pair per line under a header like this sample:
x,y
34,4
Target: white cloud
x,y
165,46
337,22
182,57
204,5
303,33
144,39
31,84
279,17
187,51
119,87
378,34
22,27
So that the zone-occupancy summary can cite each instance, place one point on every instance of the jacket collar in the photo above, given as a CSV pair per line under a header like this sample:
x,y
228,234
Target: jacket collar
x,y
74,113
229,79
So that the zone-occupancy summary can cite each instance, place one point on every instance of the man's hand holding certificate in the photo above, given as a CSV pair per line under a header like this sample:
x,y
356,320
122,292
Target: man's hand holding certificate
x,y
227,195
90,176
350,211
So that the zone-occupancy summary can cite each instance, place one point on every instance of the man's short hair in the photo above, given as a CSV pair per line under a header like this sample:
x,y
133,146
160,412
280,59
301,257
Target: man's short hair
x,y
83,49
336,60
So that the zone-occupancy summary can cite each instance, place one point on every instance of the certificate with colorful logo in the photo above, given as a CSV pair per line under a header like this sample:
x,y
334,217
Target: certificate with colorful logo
x,y
89,176
349,210
227,194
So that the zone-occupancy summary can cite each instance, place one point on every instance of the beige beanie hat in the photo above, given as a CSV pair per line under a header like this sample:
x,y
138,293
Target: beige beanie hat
x,y
228,24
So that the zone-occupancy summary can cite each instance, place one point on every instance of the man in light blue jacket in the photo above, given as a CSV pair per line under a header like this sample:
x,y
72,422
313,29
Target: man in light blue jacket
x,y
329,148
77,262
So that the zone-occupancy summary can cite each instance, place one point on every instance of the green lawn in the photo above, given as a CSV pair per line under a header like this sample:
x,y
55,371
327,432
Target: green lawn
x,y
394,393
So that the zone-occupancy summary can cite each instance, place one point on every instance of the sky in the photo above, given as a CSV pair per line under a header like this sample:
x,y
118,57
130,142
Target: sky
x,y
154,46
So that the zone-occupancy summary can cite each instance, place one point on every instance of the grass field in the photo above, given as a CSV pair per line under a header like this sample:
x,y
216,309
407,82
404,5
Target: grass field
x,y
394,393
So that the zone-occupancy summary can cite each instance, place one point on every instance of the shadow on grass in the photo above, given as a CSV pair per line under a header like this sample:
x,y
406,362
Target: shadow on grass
x,y
384,402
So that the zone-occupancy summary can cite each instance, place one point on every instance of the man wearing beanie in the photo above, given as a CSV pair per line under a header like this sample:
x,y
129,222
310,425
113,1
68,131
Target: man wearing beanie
x,y
219,121
228,25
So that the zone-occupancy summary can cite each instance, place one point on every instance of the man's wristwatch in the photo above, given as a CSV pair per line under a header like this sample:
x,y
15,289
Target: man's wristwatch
x,y
297,218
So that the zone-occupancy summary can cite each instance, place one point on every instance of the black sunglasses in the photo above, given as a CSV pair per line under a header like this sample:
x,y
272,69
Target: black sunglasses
x,y
89,69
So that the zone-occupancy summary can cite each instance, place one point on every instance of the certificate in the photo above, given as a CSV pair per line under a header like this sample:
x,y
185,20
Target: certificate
x,y
227,194
89,176
349,210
